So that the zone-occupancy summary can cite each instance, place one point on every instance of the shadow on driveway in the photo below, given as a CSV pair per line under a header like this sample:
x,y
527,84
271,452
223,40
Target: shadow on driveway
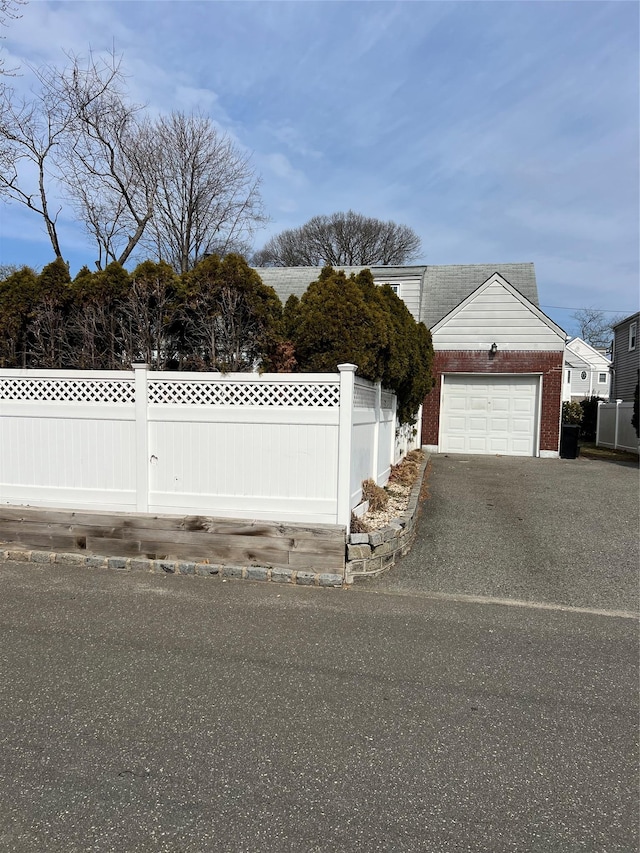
x,y
547,530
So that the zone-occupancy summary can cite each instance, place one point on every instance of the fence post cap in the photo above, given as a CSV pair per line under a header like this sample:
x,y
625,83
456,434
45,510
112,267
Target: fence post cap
x,y
347,368
139,365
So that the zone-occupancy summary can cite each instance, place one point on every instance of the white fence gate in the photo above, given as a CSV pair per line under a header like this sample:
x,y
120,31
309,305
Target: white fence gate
x,y
290,447
614,428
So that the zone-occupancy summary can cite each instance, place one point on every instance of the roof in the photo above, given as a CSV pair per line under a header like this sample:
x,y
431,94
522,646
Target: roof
x,y
573,360
443,287
586,354
635,316
295,280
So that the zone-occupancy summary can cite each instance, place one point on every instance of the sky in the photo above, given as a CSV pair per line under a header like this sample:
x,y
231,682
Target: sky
x,y
499,131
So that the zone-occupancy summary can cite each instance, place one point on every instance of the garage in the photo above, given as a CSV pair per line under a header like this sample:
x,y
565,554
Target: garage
x,y
490,414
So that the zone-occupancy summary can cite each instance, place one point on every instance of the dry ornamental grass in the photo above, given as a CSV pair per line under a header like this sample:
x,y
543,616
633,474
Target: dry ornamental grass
x,y
390,502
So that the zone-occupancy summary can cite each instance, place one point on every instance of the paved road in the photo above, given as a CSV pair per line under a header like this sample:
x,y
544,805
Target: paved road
x,y
558,531
145,713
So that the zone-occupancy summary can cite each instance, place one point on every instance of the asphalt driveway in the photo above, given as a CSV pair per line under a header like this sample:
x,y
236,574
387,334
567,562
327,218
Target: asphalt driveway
x,y
556,531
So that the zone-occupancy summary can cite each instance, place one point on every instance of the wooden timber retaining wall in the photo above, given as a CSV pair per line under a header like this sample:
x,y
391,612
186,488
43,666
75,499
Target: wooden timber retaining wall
x,y
295,546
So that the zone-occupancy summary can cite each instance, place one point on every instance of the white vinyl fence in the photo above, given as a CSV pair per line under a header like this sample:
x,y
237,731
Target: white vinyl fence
x,y
614,429
289,447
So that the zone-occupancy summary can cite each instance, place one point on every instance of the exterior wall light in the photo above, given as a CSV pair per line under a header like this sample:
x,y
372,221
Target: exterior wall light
x,y
494,349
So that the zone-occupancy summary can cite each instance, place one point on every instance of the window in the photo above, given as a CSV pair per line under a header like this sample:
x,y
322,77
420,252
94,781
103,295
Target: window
x,y
394,287
583,375
602,378
633,333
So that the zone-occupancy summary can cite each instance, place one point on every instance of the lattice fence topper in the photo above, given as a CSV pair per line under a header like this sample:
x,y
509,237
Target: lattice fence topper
x,y
212,393
68,390
386,401
364,397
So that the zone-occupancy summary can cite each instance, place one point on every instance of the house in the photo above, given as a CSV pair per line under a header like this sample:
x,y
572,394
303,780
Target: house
x,y
587,372
498,363
626,358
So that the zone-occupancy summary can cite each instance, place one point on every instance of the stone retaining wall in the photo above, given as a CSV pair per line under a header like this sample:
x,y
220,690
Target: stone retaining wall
x,y
371,553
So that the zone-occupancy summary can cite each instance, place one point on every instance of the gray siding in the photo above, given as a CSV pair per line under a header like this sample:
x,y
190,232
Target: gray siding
x,y
626,362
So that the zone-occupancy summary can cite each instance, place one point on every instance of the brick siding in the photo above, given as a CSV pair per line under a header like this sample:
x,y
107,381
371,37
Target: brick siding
x,y
549,364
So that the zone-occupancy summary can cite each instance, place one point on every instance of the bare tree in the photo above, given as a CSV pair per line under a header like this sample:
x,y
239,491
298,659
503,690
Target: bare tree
x,y
594,326
79,131
342,239
178,182
108,158
31,133
8,12
208,199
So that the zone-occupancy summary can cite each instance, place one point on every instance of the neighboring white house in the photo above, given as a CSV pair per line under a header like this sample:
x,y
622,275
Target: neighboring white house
x,y
587,372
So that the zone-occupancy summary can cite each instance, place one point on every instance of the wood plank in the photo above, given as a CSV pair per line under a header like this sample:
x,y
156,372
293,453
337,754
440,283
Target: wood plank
x,y
43,542
170,522
317,562
28,528
319,546
163,550
314,548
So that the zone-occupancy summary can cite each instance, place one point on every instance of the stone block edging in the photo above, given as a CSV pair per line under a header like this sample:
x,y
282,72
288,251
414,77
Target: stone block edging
x,y
375,552
171,567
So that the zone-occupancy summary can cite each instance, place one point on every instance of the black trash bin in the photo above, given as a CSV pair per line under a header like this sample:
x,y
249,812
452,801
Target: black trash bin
x,y
569,441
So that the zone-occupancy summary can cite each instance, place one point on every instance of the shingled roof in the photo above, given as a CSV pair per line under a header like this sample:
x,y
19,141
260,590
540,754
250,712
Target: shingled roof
x,y
443,287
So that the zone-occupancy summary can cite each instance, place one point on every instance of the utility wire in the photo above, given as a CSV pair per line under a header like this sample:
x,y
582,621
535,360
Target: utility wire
x,y
603,310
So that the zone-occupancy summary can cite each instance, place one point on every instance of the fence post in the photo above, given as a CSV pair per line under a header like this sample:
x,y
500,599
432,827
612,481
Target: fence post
x,y
345,434
142,437
615,433
598,418
394,426
376,431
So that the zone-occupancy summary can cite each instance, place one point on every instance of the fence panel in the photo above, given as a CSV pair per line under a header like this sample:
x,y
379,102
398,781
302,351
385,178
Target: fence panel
x,y
245,449
290,447
614,429
67,439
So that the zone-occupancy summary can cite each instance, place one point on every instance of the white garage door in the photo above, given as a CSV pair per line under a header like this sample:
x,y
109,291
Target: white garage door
x,y
489,414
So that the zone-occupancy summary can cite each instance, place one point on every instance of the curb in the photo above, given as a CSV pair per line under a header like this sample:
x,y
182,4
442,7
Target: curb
x,y
170,567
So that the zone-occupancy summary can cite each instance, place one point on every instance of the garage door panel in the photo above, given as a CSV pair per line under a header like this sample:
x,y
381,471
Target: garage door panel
x,y
478,424
499,425
458,404
478,403
496,416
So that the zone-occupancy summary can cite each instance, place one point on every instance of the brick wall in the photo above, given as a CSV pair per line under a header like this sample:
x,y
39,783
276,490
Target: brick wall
x,y
549,364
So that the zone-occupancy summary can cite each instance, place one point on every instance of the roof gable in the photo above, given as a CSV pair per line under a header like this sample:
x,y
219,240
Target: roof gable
x,y
587,353
497,312
445,287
